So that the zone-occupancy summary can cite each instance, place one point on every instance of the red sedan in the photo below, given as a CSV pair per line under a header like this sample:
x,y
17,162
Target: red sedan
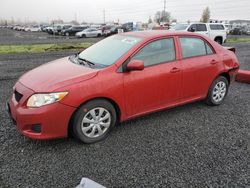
x,y
119,78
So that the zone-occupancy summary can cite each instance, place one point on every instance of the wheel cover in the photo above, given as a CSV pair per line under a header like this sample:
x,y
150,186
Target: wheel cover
x,y
96,122
219,91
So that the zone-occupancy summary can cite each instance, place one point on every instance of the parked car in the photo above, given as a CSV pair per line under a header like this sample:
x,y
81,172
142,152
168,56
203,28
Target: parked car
x,y
58,28
35,28
114,30
72,30
237,31
119,78
215,31
43,28
105,29
90,32
49,29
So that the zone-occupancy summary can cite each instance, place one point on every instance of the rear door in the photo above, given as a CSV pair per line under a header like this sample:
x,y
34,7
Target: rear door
x,y
159,84
217,30
93,33
200,66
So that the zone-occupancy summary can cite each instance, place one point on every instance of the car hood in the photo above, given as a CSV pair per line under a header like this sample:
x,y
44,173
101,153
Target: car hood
x,y
56,74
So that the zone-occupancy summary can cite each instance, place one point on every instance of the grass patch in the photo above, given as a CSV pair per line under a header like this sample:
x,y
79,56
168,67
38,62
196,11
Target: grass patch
x,y
39,48
238,39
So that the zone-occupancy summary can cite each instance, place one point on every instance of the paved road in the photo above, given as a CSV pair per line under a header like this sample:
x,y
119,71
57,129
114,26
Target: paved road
x,y
10,37
189,146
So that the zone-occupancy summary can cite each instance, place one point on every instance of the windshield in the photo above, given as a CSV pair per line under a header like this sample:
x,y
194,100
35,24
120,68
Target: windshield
x,y
180,27
109,50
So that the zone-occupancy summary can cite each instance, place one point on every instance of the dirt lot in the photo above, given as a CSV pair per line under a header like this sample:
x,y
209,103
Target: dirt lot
x,y
189,146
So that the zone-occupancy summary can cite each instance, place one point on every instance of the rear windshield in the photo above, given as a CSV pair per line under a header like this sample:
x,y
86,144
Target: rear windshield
x,y
109,50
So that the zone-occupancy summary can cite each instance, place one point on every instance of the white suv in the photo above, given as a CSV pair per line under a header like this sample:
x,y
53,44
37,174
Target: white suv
x,y
215,31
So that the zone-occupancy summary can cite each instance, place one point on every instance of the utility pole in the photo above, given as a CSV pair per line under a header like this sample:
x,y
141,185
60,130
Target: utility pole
x,y
104,16
164,11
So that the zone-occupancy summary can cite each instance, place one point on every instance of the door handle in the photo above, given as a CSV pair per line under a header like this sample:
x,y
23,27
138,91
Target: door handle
x,y
213,62
175,69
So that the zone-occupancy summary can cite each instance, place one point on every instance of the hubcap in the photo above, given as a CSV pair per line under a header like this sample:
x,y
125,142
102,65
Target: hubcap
x,y
96,122
219,91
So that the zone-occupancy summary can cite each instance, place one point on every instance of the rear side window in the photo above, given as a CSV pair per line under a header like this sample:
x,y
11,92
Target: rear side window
x,y
216,27
192,47
209,49
156,52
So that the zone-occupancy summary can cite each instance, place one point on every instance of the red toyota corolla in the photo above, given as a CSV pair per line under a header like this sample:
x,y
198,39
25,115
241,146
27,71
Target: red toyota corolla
x,y
118,78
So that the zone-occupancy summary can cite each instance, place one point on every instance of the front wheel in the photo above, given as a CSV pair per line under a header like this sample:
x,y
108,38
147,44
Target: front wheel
x,y
94,120
217,91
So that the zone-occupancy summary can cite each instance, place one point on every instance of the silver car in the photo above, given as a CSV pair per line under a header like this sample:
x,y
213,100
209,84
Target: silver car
x,y
90,32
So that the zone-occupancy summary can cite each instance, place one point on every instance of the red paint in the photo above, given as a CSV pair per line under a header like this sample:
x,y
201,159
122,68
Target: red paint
x,y
135,92
243,76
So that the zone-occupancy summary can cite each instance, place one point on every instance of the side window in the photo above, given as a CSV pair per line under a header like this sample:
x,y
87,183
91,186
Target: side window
x,y
157,52
192,47
216,27
209,49
201,27
221,27
192,26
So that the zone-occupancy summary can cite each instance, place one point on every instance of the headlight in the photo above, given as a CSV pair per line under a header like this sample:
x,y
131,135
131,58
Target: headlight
x,y
38,100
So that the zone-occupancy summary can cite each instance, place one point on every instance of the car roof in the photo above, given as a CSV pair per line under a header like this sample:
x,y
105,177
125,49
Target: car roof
x,y
159,33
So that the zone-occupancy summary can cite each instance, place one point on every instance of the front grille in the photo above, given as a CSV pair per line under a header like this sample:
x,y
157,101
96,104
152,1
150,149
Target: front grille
x,y
17,95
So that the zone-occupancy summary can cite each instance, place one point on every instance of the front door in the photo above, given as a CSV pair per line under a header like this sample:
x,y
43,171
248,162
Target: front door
x,y
159,84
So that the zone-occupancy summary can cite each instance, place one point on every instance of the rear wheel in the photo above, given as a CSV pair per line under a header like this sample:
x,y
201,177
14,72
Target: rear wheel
x,y
99,35
83,36
217,91
218,40
94,120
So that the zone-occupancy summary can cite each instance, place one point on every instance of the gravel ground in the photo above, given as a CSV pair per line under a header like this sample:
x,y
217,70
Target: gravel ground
x,y
9,36
189,146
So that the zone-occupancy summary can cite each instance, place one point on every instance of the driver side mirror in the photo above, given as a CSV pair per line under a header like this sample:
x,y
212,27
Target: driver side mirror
x,y
135,65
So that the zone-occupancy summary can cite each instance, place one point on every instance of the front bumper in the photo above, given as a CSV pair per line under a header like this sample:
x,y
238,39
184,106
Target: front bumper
x,y
47,122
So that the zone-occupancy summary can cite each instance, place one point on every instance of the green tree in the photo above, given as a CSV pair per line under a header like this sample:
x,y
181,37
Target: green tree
x,y
205,15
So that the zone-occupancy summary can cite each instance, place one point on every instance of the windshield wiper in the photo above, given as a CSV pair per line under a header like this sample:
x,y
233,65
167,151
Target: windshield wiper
x,y
86,61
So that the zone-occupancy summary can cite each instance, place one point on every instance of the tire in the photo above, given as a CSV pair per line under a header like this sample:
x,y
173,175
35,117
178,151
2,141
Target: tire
x,y
217,91
89,126
83,36
218,40
99,35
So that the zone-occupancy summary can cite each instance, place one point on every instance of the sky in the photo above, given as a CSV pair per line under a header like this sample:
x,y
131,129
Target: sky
x,y
120,10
